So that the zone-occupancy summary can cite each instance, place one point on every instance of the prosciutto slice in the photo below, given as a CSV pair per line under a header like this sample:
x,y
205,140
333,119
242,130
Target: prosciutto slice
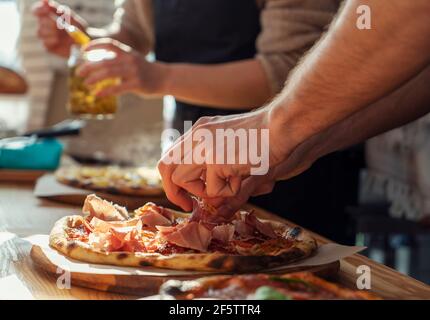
x,y
243,229
264,228
207,214
152,215
104,241
191,235
152,219
115,235
166,230
247,224
128,238
104,210
122,232
99,225
223,233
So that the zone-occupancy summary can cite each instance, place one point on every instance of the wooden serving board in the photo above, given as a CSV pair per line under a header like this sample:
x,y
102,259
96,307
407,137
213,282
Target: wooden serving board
x,y
29,176
143,285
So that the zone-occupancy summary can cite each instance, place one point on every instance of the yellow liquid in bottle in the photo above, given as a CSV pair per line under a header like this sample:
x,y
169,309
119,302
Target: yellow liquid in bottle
x,y
83,99
77,35
84,102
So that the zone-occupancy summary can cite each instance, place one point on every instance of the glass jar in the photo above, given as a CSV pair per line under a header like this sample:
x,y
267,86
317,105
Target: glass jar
x,y
83,99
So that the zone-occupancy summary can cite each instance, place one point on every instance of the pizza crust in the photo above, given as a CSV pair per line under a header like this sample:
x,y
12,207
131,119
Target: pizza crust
x,y
210,262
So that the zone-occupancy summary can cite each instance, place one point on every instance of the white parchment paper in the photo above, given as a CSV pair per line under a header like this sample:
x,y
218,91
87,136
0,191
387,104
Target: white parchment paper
x,y
327,253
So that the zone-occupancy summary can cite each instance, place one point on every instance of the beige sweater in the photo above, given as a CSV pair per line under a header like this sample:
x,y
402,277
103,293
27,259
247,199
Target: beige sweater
x,y
289,29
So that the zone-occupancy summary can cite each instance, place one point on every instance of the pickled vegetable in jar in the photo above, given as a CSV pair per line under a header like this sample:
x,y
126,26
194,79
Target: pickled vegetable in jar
x,y
83,99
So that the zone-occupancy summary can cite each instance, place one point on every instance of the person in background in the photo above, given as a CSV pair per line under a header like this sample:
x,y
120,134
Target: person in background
x,y
374,93
45,71
130,142
220,57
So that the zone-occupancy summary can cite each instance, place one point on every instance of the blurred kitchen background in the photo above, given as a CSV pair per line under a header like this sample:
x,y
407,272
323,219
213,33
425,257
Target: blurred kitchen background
x,y
393,215
134,133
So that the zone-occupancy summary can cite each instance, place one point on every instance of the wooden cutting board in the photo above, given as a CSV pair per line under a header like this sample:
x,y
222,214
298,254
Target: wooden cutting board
x,y
28,176
143,285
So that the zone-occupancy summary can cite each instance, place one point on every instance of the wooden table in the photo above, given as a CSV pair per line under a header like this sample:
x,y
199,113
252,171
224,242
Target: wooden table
x,y
22,215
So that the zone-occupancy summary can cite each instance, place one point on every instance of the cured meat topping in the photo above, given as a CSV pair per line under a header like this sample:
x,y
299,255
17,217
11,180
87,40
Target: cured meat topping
x,y
154,229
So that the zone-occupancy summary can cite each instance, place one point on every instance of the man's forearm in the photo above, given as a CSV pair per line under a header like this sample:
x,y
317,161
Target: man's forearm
x,y
406,104
115,31
239,85
350,68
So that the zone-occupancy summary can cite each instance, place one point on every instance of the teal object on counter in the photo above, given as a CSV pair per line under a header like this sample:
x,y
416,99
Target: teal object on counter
x,y
30,153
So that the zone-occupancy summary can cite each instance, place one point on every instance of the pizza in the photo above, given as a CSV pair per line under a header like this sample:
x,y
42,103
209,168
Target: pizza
x,y
134,181
293,286
164,238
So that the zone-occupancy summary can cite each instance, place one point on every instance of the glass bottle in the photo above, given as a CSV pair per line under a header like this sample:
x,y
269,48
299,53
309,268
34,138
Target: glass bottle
x,y
83,99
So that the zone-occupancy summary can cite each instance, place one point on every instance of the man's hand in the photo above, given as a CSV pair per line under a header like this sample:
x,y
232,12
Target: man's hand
x,y
299,161
250,187
207,164
136,73
55,40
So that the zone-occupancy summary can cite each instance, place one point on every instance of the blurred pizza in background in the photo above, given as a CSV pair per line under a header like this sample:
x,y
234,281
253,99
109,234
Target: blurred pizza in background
x,y
11,82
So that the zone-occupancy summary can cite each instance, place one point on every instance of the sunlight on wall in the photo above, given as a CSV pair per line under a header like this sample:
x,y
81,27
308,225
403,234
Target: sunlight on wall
x,y
9,28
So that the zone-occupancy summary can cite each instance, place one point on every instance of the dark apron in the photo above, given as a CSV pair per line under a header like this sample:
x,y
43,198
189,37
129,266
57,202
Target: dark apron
x,y
204,32
218,31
